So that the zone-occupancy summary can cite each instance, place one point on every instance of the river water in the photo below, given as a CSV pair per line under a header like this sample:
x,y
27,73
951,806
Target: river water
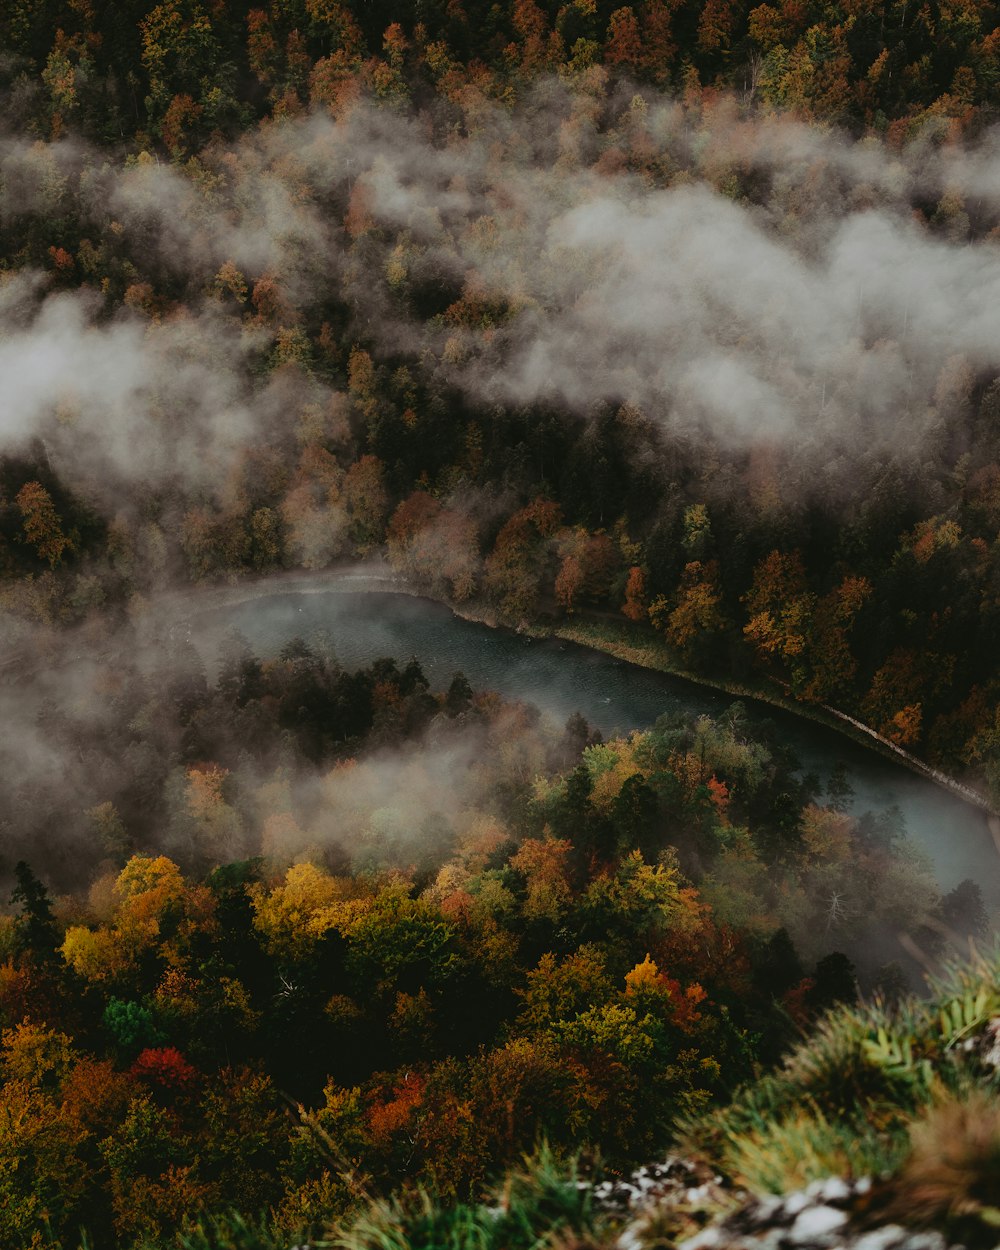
x,y
561,678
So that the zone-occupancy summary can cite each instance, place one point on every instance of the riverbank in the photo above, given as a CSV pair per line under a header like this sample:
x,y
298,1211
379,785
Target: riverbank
x,y
626,641
629,642
636,645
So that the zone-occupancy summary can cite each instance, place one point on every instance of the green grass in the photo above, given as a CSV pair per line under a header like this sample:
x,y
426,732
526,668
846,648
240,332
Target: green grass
x,y
537,1206
846,1100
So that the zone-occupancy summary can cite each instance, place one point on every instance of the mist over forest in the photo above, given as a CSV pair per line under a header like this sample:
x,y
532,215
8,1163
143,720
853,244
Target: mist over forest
x,y
668,331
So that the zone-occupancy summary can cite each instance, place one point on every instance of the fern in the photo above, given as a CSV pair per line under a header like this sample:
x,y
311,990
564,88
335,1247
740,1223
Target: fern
x,y
964,1013
894,1055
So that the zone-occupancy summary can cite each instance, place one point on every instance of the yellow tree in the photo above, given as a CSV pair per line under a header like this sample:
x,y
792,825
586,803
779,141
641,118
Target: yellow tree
x,y
634,606
693,619
781,608
544,863
41,524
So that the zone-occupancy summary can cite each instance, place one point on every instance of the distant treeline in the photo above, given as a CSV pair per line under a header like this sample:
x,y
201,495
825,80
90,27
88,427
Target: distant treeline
x,y
179,72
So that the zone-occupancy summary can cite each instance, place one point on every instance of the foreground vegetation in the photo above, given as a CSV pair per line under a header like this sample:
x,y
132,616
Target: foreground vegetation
x,y
903,1093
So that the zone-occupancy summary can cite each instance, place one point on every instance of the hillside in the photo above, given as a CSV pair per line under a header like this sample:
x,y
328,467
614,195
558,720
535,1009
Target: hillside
x,y
362,956
551,309
880,1128
672,327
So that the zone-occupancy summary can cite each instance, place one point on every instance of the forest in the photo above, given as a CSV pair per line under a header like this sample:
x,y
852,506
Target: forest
x,y
284,288
403,1005
673,324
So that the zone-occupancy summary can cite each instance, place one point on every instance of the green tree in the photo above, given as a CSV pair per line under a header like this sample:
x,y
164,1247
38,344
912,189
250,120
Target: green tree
x,y
131,1025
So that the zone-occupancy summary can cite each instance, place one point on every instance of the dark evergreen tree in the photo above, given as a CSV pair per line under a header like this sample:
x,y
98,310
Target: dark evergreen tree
x,y
834,981
38,934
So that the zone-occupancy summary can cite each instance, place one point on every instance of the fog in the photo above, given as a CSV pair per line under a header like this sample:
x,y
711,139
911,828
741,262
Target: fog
x,y
733,275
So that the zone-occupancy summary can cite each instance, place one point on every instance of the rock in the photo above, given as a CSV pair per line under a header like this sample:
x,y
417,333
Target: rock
x,y
815,1225
820,1217
763,1211
986,1045
885,1238
707,1238
835,1190
671,1181
631,1239
926,1241
795,1203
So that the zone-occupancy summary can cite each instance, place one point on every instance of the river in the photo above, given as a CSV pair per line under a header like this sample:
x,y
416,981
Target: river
x,y
561,678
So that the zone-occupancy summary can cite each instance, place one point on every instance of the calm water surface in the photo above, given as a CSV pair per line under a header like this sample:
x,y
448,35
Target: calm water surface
x,y
561,678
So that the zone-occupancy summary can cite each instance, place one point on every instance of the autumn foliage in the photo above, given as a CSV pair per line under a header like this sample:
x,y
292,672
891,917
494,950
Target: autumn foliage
x,y
251,988
584,954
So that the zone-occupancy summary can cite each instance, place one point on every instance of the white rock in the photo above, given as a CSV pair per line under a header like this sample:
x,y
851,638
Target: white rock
x,y
707,1238
795,1203
881,1238
816,1223
925,1241
835,1190
768,1207
631,1239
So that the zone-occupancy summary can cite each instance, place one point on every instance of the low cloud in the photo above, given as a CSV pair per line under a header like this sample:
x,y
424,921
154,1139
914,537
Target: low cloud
x,y
745,277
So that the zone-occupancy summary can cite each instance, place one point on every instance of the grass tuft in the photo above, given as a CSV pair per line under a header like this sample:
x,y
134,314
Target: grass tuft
x,y
540,1205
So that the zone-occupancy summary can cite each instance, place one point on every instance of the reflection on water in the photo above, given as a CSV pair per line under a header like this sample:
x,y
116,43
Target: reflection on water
x,y
561,678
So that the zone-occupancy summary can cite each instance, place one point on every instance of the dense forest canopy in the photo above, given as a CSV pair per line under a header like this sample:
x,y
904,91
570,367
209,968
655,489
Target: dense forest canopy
x,y
350,988
681,321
